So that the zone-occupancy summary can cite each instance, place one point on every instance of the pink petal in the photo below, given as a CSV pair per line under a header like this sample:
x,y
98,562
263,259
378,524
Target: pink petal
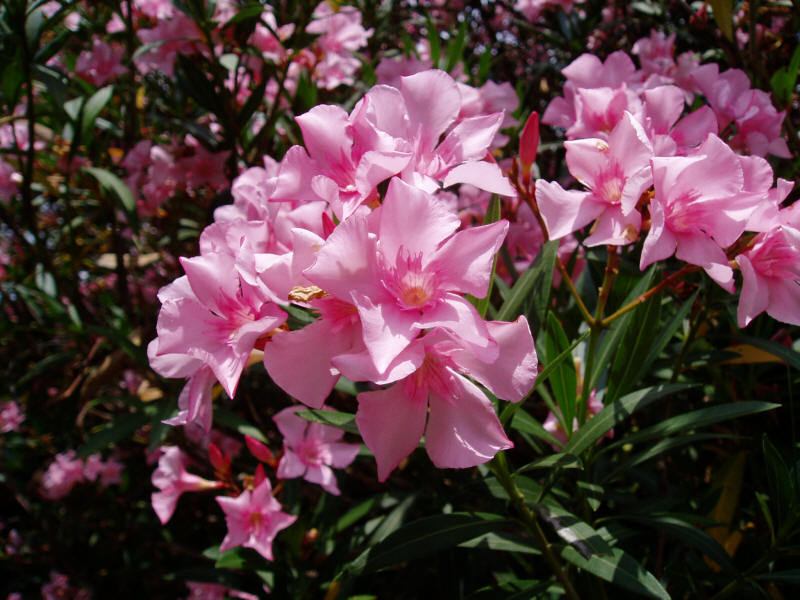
x,y
290,465
343,454
565,211
433,102
292,427
511,376
323,476
387,330
463,429
754,297
482,174
391,424
457,315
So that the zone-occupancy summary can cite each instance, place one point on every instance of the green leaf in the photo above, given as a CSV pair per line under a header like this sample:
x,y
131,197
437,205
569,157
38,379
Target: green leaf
x,y
455,47
522,421
393,520
355,514
564,379
340,420
234,421
121,427
785,79
427,536
114,184
696,419
618,568
561,461
723,15
531,292
92,108
788,355
791,576
686,533
507,542
636,342
590,551
781,491
617,412
33,28
612,338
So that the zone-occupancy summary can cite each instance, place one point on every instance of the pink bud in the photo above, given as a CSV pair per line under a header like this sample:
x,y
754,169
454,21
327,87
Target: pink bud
x,y
529,140
257,449
327,225
218,460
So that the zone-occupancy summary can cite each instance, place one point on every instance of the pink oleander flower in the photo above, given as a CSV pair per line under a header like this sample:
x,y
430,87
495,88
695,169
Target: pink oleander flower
x,y
157,9
178,33
405,269
460,426
215,591
62,474
254,519
109,471
617,173
341,35
58,588
771,276
700,207
11,416
311,449
532,9
172,480
101,63
9,182
552,423
214,315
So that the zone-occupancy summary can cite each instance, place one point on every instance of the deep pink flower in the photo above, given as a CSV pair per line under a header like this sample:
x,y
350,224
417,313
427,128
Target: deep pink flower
x,y
101,63
172,480
312,450
254,519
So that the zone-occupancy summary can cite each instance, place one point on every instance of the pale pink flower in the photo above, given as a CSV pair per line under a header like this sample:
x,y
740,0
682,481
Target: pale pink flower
x,y
62,474
532,9
9,182
312,450
341,35
215,591
771,277
552,423
179,34
700,207
462,429
254,519
157,9
101,63
405,269
11,416
172,480
617,173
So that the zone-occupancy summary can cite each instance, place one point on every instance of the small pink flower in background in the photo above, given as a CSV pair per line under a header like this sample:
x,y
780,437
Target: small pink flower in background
x,y
214,591
172,480
311,449
9,182
11,416
552,424
58,588
101,63
178,34
254,519
62,474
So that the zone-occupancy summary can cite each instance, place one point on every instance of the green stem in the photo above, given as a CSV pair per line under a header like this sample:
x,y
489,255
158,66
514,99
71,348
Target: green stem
x,y
499,467
587,316
646,295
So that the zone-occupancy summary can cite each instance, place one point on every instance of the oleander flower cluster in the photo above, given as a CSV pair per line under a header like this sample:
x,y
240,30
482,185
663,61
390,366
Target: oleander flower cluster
x,y
352,228
690,184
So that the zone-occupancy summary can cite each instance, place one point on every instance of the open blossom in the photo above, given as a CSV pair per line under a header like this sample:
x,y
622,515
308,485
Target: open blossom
x,y
617,173
771,276
341,35
254,518
11,416
108,471
214,591
700,207
172,480
405,269
62,474
101,63
460,426
311,449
